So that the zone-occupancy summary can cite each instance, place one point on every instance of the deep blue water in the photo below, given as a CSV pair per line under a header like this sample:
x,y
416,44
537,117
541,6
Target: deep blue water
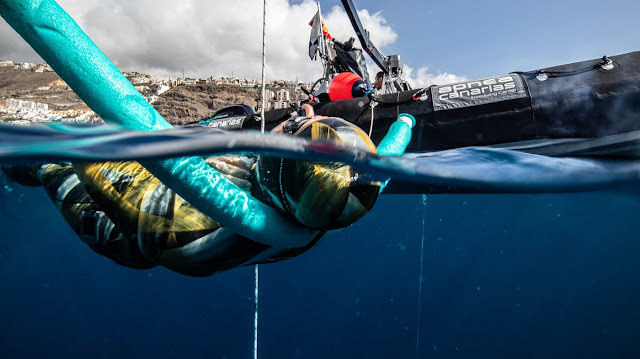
x,y
504,276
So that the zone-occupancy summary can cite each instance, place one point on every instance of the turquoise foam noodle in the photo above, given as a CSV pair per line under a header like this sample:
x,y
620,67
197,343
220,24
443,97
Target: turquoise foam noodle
x,y
396,140
70,52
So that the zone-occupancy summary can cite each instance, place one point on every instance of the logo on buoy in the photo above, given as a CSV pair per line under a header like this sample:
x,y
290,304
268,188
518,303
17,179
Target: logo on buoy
x,y
477,92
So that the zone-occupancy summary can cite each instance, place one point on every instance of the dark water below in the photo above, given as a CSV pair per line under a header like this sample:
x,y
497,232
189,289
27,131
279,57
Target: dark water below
x,y
504,276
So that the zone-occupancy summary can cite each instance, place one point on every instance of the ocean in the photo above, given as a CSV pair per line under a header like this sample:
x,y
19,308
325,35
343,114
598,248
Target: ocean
x,y
503,276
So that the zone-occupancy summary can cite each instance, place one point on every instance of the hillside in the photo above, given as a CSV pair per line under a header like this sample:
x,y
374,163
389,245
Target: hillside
x,y
180,105
28,85
189,103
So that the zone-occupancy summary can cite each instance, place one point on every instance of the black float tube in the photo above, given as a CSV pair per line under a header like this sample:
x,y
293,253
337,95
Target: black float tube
x,y
579,100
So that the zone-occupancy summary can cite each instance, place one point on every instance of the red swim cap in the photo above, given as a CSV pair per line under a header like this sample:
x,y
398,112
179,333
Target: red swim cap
x,y
346,85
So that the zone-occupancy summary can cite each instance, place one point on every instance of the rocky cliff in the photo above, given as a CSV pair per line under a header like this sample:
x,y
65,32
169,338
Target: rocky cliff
x,y
191,103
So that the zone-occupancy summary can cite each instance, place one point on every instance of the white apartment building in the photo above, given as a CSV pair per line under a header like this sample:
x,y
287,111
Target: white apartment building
x,y
283,95
29,106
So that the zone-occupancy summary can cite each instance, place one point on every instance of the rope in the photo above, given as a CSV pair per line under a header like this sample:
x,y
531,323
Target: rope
x,y
255,316
424,214
373,105
262,125
605,60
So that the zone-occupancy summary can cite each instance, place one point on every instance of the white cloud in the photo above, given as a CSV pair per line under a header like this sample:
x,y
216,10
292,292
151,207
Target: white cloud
x,y
211,37
340,27
423,78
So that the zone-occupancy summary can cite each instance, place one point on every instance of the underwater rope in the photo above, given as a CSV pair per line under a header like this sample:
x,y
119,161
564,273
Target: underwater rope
x,y
424,214
255,314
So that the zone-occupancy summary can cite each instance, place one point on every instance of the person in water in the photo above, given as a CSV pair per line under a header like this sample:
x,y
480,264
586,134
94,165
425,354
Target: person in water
x,y
124,213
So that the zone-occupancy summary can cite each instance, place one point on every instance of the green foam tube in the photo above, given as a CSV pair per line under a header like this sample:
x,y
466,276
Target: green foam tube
x,y
397,139
395,142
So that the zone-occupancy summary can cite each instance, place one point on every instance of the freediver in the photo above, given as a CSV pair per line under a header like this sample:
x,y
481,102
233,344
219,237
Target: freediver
x,y
125,213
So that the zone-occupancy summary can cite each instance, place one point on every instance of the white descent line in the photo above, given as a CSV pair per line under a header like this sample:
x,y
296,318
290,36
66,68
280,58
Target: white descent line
x,y
255,317
424,214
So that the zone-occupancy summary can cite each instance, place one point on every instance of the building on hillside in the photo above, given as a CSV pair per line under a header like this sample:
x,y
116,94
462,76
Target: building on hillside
x,y
280,104
269,95
283,95
26,106
40,68
162,89
142,88
166,81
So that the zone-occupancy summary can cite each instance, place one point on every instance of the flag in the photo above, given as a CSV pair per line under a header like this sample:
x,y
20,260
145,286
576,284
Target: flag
x,y
316,19
318,29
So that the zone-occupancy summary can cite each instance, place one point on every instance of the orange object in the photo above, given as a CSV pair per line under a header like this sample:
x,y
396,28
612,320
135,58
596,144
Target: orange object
x,y
346,85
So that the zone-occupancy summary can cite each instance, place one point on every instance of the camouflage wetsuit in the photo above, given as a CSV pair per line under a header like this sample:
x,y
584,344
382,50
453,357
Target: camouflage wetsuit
x,y
124,213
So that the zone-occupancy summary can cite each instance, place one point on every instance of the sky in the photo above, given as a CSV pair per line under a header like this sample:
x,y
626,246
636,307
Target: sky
x,y
438,41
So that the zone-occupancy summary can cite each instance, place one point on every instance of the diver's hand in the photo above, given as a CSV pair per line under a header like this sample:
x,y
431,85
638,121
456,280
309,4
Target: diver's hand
x,y
236,169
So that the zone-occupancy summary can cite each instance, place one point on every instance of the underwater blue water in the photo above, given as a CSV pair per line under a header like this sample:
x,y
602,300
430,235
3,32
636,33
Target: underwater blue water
x,y
504,276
